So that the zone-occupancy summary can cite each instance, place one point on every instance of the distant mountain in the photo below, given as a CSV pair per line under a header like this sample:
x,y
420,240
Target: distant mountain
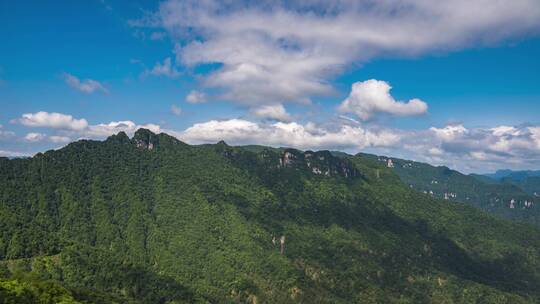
x,y
485,179
513,175
506,200
150,219
528,181
530,185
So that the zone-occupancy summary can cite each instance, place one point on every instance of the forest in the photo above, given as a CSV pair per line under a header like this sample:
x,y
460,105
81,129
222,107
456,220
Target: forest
x,y
488,194
150,219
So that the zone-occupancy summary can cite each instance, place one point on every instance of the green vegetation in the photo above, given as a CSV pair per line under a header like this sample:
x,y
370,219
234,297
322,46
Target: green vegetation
x,y
476,190
153,220
529,184
528,181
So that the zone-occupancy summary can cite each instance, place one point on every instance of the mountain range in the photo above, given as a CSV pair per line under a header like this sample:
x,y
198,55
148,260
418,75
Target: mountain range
x,y
514,200
528,181
150,219
514,175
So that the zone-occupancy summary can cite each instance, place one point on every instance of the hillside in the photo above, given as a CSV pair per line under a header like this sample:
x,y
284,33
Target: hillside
x,y
513,175
528,181
506,200
530,184
150,219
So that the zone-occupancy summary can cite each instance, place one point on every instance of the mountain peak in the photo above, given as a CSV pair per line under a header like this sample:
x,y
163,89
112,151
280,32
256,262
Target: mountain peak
x,y
143,133
121,137
145,139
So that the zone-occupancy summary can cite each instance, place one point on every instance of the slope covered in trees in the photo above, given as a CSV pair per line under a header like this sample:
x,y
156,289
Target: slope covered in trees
x,y
153,220
504,199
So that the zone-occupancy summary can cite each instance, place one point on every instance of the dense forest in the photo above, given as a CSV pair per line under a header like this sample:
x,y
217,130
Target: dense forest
x,y
150,219
506,198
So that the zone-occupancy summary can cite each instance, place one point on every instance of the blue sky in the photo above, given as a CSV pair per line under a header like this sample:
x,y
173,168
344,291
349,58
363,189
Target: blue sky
x,y
465,89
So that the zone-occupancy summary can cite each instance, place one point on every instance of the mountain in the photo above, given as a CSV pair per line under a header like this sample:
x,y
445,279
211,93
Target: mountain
x,y
529,184
485,179
150,219
513,175
528,181
506,200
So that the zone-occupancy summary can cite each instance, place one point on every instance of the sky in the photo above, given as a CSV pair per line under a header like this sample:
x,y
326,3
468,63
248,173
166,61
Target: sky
x,y
454,83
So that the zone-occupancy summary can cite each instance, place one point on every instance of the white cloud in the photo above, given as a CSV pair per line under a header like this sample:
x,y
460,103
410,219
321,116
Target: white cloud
x,y
59,139
435,151
497,147
51,120
163,69
371,97
87,86
505,130
70,128
6,153
176,110
275,112
309,136
449,132
478,155
106,129
466,149
5,134
34,137
535,135
196,97
276,52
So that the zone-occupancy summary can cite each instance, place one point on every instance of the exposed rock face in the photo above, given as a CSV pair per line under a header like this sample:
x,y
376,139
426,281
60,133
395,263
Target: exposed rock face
x,y
271,161
287,159
145,139
319,163
148,140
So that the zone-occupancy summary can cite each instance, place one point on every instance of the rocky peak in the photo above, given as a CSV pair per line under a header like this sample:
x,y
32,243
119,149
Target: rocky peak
x,y
318,163
121,137
145,139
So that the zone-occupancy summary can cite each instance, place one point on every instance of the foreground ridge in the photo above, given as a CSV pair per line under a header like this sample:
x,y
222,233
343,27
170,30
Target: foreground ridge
x,y
150,219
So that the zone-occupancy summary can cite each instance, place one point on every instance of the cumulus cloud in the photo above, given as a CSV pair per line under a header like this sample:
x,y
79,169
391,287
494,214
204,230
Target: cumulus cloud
x,y
163,69
308,136
535,135
4,134
454,145
87,86
497,146
370,97
176,110
450,132
69,128
7,153
275,52
273,112
51,120
59,139
34,137
462,148
106,129
196,97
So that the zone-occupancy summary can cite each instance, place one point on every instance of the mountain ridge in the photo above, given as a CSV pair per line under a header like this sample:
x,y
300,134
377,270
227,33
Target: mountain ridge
x,y
507,200
179,223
